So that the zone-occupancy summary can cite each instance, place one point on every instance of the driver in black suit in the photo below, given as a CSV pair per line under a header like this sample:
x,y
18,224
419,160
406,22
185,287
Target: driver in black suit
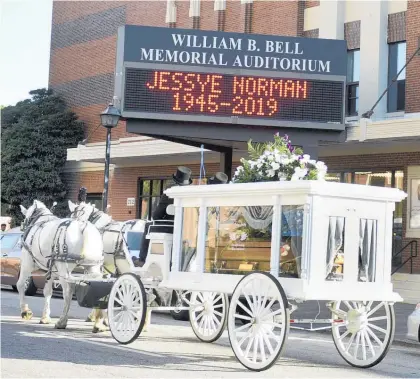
x,y
182,177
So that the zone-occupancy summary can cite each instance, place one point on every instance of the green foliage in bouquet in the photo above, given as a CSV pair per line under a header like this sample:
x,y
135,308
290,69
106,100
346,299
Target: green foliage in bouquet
x,y
278,160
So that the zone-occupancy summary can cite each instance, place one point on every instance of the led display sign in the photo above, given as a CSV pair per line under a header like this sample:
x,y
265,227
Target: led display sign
x,y
216,77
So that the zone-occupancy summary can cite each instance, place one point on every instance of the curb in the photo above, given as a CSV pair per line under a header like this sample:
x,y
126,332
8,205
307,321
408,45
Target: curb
x,y
405,342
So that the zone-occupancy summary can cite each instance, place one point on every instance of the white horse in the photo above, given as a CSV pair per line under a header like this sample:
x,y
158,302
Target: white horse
x,y
57,246
113,233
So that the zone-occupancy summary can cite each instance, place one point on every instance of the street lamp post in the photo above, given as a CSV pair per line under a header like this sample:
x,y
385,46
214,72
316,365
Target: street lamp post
x,y
109,119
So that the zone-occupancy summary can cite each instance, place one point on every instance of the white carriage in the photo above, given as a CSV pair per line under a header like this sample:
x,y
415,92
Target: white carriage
x,y
259,249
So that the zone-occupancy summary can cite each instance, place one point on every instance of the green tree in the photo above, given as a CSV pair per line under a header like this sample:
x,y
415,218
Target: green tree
x,y
36,134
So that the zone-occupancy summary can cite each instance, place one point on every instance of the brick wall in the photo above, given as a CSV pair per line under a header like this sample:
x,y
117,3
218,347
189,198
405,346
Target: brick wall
x,y
412,99
396,161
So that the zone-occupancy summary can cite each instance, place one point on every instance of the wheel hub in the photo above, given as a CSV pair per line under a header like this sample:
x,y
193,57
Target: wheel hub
x,y
208,308
357,320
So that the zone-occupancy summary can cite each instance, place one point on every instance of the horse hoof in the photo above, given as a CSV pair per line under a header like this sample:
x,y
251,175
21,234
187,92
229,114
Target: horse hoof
x,y
88,319
45,320
99,329
60,326
27,315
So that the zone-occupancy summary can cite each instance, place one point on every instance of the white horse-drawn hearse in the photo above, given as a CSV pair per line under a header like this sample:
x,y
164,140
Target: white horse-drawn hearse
x,y
242,256
247,254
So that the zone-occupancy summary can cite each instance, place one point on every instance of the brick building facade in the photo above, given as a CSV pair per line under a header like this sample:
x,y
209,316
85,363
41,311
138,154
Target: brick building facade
x,y
82,66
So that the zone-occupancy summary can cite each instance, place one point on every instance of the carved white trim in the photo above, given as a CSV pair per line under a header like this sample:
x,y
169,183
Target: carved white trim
x,y
195,8
219,5
170,11
247,1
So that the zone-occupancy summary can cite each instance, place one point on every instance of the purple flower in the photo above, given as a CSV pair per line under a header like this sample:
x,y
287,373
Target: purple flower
x,y
286,137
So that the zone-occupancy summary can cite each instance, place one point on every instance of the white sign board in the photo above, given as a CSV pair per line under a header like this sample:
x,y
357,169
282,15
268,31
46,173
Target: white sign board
x,y
131,201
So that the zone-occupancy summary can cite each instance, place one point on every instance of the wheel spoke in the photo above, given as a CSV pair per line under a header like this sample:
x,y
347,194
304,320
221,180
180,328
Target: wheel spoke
x,y
199,316
374,309
344,335
263,356
218,313
377,328
272,314
247,318
201,297
216,320
250,304
217,300
363,345
369,342
274,324
356,348
248,335
254,357
268,343
118,301
350,343
377,318
374,336
201,322
348,305
248,348
245,308
218,306
236,330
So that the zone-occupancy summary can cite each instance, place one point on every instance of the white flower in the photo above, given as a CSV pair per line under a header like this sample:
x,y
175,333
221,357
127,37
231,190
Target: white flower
x,y
271,173
259,165
271,157
306,158
267,153
244,236
275,166
320,166
300,172
282,176
233,236
294,157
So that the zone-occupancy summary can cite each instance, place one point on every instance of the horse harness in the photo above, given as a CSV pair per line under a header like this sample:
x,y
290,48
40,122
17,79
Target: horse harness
x,y
56,254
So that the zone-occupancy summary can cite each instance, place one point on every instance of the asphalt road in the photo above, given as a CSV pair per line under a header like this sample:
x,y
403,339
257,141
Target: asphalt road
x,y
168,350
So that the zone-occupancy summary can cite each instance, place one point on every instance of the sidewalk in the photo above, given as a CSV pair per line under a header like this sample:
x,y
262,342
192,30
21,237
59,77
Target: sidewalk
x,y
309,310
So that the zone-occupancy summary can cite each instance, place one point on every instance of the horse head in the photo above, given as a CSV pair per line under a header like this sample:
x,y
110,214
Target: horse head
x,y
88,212
36,210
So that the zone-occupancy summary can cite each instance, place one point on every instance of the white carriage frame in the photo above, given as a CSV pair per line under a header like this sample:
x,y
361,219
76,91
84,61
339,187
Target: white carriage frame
x,y
321,200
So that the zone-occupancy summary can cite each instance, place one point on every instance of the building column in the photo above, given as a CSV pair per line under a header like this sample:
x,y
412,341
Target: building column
x,y
373,57
331,25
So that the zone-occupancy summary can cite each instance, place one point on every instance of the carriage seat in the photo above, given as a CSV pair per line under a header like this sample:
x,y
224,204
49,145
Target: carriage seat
x,y
161,226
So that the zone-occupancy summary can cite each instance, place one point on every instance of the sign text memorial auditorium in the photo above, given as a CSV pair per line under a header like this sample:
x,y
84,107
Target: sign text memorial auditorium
x,y
230,78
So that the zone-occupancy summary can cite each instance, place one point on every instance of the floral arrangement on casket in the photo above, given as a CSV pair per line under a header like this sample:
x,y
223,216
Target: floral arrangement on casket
x,y
278,160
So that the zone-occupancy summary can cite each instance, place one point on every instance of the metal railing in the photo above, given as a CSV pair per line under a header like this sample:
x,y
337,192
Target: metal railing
x,y
399,254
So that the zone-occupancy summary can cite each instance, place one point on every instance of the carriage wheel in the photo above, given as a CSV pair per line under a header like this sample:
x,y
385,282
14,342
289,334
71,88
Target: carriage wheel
x,y
208,315
127,308
258,343
363,331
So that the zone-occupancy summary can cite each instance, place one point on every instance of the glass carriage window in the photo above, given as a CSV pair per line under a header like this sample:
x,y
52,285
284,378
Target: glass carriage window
x,y
335,248
238,239
189,239
367,249
291,240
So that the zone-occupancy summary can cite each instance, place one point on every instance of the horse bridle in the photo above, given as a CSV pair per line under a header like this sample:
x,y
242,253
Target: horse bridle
x,y
93,217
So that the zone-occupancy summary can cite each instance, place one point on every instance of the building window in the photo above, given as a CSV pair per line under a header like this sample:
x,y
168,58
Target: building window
x,y
396,61
353,74
149,192
95,198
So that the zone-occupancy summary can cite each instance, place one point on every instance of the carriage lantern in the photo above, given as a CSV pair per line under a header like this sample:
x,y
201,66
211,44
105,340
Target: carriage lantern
x,y
109,119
